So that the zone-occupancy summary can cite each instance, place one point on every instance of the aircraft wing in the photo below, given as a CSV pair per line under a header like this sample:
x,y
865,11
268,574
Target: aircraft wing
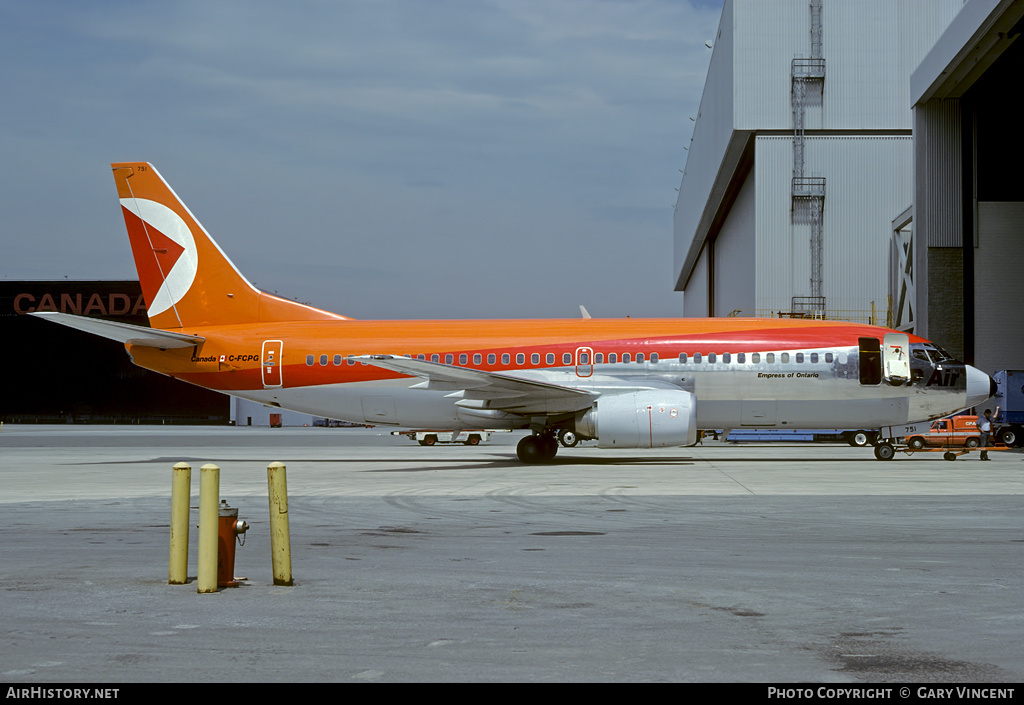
x,y
477,389
123,332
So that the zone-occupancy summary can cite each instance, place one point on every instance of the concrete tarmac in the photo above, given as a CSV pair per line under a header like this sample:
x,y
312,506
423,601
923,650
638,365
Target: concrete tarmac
x,y
728,563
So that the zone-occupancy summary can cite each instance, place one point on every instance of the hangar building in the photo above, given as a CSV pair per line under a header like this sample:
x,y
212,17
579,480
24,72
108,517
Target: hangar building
x,y
966,227
858,161
801,157
74,377
67,376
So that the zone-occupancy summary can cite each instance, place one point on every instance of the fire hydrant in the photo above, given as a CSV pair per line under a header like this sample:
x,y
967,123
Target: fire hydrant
x,y
228,529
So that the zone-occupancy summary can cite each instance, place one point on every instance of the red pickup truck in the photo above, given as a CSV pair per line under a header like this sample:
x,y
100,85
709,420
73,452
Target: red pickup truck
x,y
959,431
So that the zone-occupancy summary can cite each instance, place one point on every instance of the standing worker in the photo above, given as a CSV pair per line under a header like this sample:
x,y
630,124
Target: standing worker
x,y
985,426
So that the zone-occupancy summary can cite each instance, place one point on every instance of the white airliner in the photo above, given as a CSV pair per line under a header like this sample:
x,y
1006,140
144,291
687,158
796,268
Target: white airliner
x,y
627,383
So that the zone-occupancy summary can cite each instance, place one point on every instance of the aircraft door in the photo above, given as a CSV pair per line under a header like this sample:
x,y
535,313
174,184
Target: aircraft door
x,y
270,363
870,361
584,362
896,358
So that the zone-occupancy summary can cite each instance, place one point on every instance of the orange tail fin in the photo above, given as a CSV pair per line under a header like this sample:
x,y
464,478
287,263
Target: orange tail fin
x,y
186,279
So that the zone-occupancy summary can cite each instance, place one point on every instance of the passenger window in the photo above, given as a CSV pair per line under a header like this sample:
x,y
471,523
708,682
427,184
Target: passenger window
x,y
535,358
639,357
625,357
599,358
351,360
613,358
309,360
785,358
477,358
726,357
323,360
755,358
337,360
435,358
696,358
828,357
712,358
741,358
654,357
799,357
770,358
550,358
584,359
421,357
505,359
448,358
814,358
566,358
520,358
682,358
463,358
490,358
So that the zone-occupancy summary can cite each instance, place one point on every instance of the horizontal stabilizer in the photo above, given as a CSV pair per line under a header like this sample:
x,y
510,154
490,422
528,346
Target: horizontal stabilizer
x,y
122,332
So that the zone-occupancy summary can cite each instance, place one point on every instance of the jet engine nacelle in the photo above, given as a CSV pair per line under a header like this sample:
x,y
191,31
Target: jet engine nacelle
x,y
649,419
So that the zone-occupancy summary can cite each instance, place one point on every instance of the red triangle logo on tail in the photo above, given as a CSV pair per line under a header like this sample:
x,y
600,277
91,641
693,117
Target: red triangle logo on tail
x,y
166,252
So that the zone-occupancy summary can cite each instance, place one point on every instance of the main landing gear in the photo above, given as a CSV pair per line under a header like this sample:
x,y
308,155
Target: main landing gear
x,y
537,448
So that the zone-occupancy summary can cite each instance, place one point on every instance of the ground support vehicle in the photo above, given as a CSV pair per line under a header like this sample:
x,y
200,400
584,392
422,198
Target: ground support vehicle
x,y
954,432
567,438
1008,420
948,452
856,438
951,442
429,438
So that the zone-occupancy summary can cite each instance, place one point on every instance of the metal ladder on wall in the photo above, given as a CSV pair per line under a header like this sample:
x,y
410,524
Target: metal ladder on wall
x,y
808,193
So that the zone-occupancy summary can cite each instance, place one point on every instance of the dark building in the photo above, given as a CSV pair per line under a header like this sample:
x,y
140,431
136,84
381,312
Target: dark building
x,y
61,375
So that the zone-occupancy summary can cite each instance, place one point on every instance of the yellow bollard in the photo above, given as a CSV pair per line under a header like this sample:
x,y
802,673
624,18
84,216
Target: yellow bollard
x,y
181,490
280,541
209,513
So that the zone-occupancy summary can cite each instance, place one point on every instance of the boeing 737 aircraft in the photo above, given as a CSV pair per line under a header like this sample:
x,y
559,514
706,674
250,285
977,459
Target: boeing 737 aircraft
x,y
626,383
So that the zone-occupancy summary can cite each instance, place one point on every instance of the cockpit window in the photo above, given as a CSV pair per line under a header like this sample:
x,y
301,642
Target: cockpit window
x,y
930,352
936,353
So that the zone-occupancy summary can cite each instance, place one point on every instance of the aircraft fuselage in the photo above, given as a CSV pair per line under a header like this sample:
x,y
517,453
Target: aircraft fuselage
x,y
768,373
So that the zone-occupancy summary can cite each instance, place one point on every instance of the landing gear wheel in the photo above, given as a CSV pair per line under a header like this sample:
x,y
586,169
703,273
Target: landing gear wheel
x,y
537,449
549,447
568,438
884,451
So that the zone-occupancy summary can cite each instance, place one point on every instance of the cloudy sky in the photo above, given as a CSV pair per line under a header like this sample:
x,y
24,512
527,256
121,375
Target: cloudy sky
x,y
378,158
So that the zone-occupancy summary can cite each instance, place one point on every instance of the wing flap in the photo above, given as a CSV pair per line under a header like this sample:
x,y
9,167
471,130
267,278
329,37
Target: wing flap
x,y
489,390
123,332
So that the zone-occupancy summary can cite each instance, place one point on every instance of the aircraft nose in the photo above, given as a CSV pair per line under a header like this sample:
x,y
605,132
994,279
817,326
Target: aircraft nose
x,y
980,387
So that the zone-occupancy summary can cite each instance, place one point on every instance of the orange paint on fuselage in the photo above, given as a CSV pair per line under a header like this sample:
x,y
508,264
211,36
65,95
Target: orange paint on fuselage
x,y
230,358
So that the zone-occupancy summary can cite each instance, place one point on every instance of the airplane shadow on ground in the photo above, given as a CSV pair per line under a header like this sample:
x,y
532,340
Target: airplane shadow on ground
x,y
497,460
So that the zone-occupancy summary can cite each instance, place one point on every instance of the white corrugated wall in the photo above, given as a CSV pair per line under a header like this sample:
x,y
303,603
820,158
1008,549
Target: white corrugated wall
x,y
707,149
868,183
735,255
870,48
